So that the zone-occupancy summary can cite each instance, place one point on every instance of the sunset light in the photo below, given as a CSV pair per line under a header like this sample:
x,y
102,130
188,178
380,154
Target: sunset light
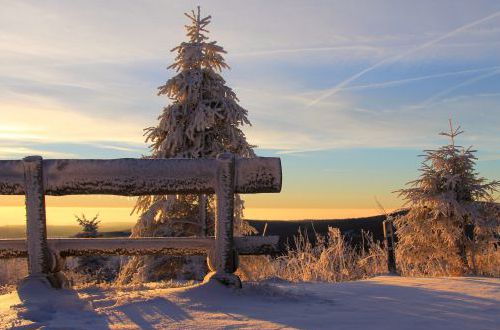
x,y
299,164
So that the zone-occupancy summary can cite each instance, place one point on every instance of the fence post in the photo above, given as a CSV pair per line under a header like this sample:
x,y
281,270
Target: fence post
x,y
389,245
36,230
223,260
40,261
202,210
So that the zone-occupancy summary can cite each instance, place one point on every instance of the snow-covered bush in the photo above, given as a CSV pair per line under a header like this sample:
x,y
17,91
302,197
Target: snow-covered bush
x,y
452,220
331,259
203,120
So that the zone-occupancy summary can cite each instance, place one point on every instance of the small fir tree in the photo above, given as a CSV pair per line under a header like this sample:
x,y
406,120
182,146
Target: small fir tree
x,y
203,120
446,200
90,227
93,268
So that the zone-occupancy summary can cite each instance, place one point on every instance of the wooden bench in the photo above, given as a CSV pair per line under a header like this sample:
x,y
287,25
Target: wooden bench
x,y
224,176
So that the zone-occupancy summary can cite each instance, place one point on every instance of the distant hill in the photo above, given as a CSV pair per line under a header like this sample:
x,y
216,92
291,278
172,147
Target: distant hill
x,y
350,228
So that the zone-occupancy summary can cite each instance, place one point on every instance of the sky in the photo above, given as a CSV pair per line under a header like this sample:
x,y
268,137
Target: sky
x,y
346,93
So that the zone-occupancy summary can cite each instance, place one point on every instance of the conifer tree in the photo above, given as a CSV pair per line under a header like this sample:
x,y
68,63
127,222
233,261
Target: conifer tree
x,y
448,198
90,227
203,120
95,268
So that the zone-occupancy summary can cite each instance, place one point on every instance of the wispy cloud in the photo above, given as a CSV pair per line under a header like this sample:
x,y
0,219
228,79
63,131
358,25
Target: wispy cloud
x,y
492,71
423,46
78,79
363,48
453,88
338,125
49,122
16,152
72,73
120,148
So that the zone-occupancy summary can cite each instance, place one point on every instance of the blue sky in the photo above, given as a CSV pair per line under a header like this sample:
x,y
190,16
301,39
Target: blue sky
x,y
348,93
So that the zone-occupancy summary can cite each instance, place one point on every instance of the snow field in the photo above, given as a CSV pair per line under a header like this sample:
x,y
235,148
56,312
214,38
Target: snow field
x,y
384,302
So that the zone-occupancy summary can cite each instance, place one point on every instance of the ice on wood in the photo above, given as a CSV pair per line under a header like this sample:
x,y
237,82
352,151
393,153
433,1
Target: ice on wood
x,y
134,177
72,247
11,177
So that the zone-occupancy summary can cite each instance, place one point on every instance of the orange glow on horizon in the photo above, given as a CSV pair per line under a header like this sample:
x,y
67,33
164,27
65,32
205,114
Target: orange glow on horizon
x,y
58,216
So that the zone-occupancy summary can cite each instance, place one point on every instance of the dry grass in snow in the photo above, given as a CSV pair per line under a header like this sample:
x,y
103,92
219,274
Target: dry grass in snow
x,y
331,259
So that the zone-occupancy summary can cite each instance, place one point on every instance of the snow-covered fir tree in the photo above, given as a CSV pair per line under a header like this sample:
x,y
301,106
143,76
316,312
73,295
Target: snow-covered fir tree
x,y
90,227
448,199
94,268
203,120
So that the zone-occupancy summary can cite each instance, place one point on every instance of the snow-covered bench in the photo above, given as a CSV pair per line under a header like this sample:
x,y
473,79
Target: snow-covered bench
x,y
224,176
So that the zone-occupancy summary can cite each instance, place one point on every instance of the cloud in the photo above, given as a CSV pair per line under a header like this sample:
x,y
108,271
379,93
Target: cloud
x,y
397,57
343,123
491,71
46,122
465,83
17,152
85,72
367,49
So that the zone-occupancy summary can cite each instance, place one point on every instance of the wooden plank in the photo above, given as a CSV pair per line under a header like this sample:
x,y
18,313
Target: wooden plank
x,y
249,245
258,175
129,177
11,177
134,177
131,246
13,248
257,245
70,247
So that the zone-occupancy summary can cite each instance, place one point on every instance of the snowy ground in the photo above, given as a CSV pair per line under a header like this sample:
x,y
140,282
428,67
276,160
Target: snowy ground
x,y
379,303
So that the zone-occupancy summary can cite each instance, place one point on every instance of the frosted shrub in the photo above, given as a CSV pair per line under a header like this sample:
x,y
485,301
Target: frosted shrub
x,y
331,259
448,199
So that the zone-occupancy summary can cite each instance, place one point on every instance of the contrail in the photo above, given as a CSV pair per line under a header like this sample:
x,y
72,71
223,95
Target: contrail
x,y
408,80
335,89
307,49
457,86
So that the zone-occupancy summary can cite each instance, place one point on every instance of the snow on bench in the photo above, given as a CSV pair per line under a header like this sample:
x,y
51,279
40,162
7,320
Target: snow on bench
x,y
182,246
224,176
